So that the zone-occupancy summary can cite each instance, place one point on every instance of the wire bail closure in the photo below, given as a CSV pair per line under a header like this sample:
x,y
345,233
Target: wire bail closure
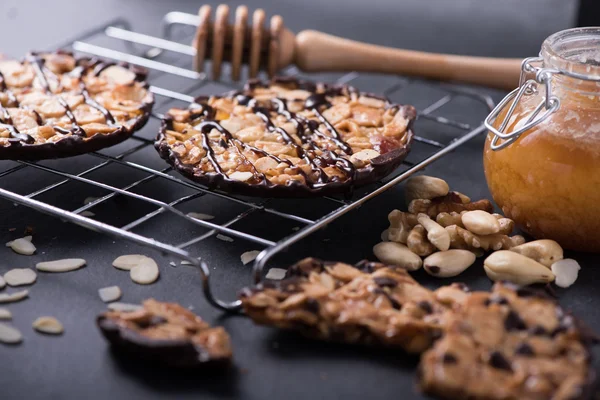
x,y
550,103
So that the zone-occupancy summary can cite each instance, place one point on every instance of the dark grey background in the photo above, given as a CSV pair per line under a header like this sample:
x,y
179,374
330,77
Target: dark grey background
x,y
267,364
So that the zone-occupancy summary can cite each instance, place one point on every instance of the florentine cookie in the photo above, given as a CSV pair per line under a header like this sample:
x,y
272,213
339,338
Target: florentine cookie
x,y
166,333
508,344
55,105
287,138
369,303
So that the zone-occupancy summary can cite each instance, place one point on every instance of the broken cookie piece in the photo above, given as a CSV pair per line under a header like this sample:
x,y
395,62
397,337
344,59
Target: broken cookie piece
x,y
166,333
369,303
511,343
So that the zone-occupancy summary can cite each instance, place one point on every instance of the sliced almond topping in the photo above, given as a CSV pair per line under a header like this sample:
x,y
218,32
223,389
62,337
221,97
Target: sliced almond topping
x,y
224,238
249,256
200,216
241,176
13,297
20,276
22,246
9,334
276,274
66,265
145,272
129,261
124,307
364,155
118,74
110,294
48,325
5,314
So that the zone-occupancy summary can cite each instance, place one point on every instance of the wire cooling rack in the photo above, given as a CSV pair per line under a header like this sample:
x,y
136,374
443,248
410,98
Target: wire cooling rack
x,y
168,58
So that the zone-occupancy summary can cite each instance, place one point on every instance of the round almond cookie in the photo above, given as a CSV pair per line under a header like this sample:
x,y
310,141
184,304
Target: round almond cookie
x,y
287,138
55,105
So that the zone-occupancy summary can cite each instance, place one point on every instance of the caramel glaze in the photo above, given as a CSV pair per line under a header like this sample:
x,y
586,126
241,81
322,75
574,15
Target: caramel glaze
x,y
306,130
43,74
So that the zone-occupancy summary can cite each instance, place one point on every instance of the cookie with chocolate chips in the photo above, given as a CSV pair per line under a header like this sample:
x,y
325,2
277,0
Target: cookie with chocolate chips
x,y
168,334
510,343
287,138
55,105
369,303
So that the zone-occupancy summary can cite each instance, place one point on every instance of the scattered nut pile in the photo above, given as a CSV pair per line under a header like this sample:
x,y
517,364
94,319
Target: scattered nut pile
x,y
449,231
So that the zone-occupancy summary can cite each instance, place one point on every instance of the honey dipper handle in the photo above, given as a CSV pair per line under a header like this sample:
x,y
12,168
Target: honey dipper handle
x,y
317,51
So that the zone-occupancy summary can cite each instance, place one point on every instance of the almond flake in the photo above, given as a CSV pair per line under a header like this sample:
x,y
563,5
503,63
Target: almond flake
x,y
87,213
66,265
110,294
145,272
20,276
124,307
13,297
200,216
5,314
276,274
186,262
22,246
566,272
224,238
172,264
129,261
48,325
241,176
9,334
249,256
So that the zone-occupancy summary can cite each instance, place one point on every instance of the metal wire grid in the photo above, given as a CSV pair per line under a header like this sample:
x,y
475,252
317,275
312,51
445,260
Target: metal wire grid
x,y
119,29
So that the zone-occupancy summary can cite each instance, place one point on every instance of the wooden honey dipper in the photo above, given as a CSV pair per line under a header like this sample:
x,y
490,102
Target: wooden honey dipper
x,y
276,47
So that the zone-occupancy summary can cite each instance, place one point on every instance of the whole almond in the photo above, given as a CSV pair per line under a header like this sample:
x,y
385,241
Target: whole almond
x,y
393,253
446,264
480,222
424,187
506,265
544,251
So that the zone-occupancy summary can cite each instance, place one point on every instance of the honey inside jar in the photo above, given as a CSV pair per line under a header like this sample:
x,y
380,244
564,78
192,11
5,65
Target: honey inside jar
x,y
548,180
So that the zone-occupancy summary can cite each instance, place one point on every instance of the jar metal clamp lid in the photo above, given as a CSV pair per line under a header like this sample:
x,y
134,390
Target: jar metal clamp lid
x,y
542,76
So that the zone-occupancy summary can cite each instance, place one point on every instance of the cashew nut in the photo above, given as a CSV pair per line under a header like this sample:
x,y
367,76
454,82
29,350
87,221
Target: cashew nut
x,y
436,234
424,187
397,254
445,264
401,223
544,251
516,268
417,242
480,222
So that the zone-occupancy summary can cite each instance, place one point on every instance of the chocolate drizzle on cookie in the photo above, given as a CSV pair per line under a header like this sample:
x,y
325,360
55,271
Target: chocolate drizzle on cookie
x,y
317,143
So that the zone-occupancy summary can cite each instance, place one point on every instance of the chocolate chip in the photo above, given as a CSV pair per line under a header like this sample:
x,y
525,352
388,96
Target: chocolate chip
x,y
426,306
312,305
392,301
434,270
538,330
365,266
524,349
498,361
384,281
513,322
449,358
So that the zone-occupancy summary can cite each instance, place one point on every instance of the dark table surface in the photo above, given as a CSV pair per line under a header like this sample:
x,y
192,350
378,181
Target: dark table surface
x,y
268,364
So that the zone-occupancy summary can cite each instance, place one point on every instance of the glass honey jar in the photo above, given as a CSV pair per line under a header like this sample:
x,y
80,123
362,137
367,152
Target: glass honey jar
x,y
542,154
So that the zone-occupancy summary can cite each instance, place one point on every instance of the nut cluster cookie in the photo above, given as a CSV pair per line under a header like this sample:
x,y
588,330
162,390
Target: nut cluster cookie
x,y
287,138
55,105
166,333
369,303
510,343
